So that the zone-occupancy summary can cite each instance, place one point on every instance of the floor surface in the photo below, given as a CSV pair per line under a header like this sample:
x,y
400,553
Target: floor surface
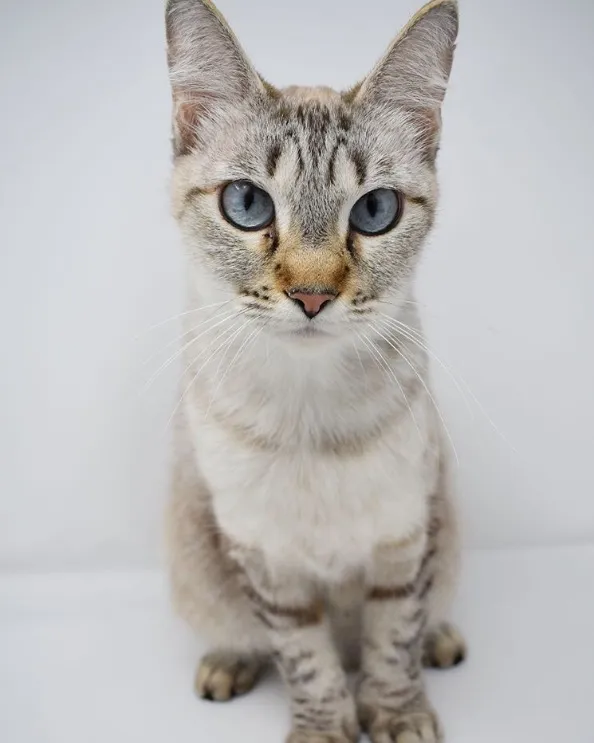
x,y
97,658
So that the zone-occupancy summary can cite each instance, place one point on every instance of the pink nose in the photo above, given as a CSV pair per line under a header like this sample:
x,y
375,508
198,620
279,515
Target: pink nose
x,y
310,302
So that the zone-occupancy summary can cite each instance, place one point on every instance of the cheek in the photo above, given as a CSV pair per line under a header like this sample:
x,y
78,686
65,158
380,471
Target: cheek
x,y
387,265
381,274
227,253
389,260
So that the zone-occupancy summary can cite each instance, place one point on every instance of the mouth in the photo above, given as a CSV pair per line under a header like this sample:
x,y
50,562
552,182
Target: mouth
x,y
307,331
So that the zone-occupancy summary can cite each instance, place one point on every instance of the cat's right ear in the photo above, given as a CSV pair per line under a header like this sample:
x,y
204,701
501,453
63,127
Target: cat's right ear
x,y
209,72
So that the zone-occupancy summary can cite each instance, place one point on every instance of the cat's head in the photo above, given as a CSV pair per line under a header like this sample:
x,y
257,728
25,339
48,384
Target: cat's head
x,y
307,207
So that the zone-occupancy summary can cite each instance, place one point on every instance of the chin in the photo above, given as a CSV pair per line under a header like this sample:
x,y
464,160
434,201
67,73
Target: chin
x,y
310,335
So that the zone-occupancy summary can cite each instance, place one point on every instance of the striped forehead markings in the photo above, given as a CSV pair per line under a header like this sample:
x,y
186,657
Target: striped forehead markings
x,y
315,122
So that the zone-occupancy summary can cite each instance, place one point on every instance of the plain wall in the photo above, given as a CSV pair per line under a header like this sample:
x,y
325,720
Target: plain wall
x,y
90,260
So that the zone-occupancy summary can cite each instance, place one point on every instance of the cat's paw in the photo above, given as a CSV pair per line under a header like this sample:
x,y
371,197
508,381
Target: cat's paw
x,y
415,723
313,736
444,647
411,728
405,727
343,729
222,676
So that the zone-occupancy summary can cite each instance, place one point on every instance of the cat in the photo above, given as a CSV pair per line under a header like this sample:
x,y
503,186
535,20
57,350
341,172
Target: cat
x,y
311,522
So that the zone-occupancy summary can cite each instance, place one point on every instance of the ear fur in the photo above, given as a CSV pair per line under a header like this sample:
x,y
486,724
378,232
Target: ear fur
x,y
209,72
413,74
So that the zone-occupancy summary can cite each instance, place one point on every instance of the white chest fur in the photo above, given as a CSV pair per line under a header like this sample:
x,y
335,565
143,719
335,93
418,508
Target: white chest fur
x,y
311,509
317,512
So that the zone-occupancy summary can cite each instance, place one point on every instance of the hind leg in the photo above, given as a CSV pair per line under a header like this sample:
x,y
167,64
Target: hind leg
x,y
444,646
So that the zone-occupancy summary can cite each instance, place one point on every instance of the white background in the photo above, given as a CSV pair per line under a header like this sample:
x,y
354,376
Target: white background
x,y
89,259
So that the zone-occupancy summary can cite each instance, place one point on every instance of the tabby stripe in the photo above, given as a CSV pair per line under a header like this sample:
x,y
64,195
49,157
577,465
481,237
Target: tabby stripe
x,y
315,721
300,162
350,244
331,162
263,618
302,616
303,679
194,192
426,588
434,527
273,156
394,593
409,644
291,664
420,200
402,692
429,555
360,165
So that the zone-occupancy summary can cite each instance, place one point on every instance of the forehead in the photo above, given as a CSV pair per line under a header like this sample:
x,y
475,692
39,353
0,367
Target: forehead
x,y
313,147
308,151
317,123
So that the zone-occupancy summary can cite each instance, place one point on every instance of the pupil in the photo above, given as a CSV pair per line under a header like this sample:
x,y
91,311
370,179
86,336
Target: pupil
x,y
248,199
372,205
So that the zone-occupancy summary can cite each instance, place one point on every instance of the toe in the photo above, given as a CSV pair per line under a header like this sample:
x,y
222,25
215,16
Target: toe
x,y
222,676
444,647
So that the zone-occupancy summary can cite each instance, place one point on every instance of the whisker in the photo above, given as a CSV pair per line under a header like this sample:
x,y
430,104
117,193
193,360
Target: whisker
x,y
454,376
424,305
399,350
418,339
180,351
359,357
373,356
226,342
181,314
377,352
221,334
224,355
209,345
175,341
490,421
253,335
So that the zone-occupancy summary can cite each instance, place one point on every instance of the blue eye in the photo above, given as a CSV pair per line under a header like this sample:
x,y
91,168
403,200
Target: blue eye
x,y
376,212
246,206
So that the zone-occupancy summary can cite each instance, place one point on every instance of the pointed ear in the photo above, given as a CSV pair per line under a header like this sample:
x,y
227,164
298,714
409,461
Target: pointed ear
x,y
413,75
209,72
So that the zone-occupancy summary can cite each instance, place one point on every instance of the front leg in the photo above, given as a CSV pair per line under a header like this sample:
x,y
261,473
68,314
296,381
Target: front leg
x,y
393,707
288,604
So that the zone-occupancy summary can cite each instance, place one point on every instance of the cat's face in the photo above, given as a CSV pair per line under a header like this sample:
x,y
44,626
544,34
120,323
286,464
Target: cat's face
x,y
306,206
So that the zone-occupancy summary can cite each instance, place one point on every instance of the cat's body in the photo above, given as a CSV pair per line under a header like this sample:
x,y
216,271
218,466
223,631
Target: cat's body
x,y
311,518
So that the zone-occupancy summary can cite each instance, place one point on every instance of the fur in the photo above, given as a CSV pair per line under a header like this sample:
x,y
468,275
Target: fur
x,y
311,519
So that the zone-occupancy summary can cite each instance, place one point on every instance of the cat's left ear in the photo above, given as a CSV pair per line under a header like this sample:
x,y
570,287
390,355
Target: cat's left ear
x,y
412,76
210,74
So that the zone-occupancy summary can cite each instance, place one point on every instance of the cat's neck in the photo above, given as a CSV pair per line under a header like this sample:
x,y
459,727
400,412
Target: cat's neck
x,y
287,392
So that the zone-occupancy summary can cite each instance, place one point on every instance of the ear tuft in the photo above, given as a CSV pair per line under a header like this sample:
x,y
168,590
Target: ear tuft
x,y
208,69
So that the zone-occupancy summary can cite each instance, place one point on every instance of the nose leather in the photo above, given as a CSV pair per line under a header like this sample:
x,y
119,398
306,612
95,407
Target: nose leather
x,y
311,303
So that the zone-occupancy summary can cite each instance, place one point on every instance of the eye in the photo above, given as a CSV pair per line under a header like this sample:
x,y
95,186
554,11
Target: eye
x,y
376,212
246,206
